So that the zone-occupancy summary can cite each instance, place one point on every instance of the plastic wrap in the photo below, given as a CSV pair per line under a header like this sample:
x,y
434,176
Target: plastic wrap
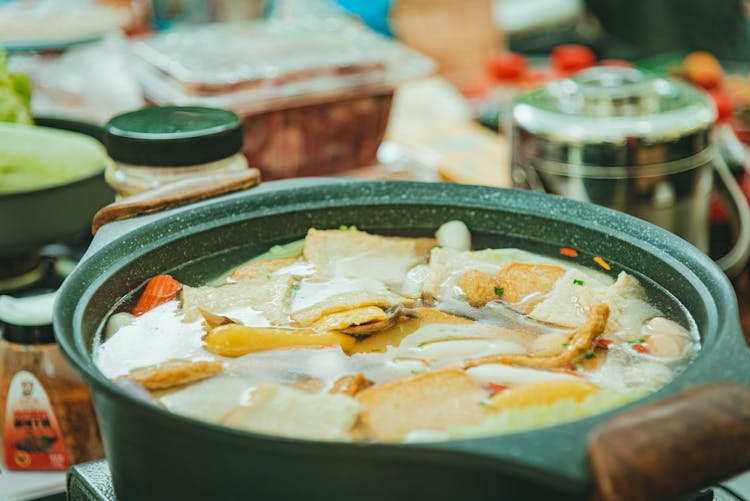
x,y
239,65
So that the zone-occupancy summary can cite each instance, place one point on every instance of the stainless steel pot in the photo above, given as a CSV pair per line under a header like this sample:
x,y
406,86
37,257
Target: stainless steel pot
x,y
630,141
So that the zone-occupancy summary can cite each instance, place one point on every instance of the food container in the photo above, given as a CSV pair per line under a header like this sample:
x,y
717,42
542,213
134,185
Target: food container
x,y
68,190
314,93
156,146
683,442
47,419
618,137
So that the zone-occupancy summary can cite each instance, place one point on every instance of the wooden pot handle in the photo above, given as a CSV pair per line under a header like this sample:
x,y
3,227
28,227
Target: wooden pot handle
x,y
674,446
175,194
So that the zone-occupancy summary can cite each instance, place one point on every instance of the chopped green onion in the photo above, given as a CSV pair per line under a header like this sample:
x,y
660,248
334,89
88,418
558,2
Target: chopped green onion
x,y
499,291
589,356
637,341
564,345
461,297
482,403
577,282
579,365
295,287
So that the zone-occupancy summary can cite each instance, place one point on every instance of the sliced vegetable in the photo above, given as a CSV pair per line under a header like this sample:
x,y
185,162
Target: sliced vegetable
x,y
542,393
496,388
601,262
159,290
603,343
640,348
568,252
234,340
703,69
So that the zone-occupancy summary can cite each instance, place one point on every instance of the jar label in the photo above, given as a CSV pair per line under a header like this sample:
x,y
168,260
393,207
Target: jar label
x,y
32,438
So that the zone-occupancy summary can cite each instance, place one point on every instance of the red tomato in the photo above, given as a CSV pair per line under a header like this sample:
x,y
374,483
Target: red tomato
x,y
507,65
616,62
568,59
724,104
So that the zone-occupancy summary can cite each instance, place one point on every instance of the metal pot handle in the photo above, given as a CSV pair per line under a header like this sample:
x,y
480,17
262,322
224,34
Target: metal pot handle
x,y
175,194
674,446
735,260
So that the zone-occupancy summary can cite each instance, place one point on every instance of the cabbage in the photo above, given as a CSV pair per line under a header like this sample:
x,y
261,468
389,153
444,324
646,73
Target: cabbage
x,y
15,94
562,411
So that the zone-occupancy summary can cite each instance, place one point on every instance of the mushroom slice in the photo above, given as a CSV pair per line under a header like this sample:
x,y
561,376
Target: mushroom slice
x,y
393,315
213,320
580,342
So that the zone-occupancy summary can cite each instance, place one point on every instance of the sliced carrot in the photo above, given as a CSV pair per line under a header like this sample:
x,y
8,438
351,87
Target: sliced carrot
x,y
601,262
569,252
640,348
159,290
496,388
603,343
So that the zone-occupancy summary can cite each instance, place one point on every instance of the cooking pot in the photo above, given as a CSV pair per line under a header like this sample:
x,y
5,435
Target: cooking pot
x,y
663,445
33,218
630,141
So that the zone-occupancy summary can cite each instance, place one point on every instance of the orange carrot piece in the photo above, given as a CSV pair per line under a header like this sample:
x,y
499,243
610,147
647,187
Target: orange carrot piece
x,y
569,252
159,290
601,262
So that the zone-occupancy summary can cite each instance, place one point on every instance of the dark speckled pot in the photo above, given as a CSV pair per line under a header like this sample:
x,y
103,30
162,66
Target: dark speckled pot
x,y
157,455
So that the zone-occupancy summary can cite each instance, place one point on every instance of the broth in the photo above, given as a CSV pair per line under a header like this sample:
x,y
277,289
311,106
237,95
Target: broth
x,y
352,336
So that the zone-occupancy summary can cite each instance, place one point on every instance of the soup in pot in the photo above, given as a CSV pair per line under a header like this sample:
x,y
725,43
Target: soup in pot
x,y
351,336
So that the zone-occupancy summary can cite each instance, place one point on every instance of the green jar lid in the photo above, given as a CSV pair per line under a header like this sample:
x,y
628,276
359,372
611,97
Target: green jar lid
x,y
173,136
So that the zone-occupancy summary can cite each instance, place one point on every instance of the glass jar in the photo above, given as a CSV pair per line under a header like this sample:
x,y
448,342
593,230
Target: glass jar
x,y
156,146
47,420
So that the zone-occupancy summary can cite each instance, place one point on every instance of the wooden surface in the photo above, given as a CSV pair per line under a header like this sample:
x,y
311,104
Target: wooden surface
x,y
673,446
175,194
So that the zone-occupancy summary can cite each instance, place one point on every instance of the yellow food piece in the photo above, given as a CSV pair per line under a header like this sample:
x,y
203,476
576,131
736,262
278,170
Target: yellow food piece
x,y
259,269
348,318
235,340
478,287
542,393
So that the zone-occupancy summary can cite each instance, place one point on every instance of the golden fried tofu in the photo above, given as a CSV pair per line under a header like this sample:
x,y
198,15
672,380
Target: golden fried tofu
x,y
343,302
266,295
347,318
174,373
358,254
479,288
428,401
519,281
260,269
278,410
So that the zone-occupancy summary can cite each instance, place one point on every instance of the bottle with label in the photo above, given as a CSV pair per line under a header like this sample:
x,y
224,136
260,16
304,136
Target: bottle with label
x,y
47,419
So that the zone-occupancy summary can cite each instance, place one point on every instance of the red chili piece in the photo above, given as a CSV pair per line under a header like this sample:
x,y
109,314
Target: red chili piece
x,y
496,388
640,348
603,343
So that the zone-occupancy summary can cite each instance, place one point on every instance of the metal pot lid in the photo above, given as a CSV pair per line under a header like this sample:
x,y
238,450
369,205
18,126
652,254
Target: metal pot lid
x,y
611,105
